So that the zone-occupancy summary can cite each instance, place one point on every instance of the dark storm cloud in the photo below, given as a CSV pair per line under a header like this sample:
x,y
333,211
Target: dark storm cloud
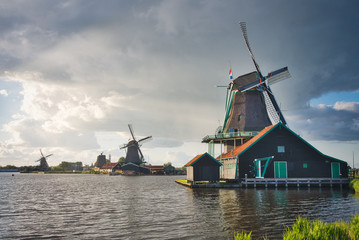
x,y
155,63
319,44
339,122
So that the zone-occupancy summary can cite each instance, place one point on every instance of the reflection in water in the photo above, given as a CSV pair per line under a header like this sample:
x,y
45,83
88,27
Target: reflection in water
x,y
154,207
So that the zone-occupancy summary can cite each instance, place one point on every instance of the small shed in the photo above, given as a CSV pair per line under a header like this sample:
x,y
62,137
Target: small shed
x,y
203,168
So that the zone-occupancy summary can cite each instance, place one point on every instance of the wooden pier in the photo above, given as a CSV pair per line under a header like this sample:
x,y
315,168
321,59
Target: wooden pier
x,y
205,184
271,183
294,182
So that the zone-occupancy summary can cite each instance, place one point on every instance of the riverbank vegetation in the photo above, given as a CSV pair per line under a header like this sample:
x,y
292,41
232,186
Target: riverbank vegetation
x,y
354,184
317,230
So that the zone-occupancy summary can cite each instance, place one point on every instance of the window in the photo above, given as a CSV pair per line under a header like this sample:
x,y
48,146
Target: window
x,y
281,149
305,165
239,117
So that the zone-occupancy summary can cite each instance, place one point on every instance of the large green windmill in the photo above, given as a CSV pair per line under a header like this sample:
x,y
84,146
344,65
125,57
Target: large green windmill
x,y
250,103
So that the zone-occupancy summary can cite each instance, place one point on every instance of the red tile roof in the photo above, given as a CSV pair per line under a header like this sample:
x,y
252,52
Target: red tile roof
x,y
235,152
194,159
155,167
190,163
108,165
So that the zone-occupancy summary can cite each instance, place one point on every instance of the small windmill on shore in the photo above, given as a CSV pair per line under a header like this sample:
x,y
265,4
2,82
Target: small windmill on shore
x,y
43,163
134,153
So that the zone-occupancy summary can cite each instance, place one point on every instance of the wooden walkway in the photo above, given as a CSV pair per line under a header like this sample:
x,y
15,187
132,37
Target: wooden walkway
x,y
271,183
294,182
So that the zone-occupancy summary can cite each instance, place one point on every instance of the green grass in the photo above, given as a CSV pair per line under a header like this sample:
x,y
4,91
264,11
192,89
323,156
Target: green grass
x,y
305,229
243,236
317,230
354,184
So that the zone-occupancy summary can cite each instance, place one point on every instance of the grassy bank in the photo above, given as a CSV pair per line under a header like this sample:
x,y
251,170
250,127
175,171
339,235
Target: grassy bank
x,y
317,230
354,184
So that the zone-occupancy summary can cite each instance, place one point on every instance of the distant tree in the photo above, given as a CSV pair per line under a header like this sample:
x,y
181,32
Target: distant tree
x,y
68,166
167,164
27,168
9,167
121,160
65,166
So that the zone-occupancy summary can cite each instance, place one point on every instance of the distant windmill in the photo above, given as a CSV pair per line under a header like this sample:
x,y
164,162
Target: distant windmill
x,y
43,163
250,103
134,153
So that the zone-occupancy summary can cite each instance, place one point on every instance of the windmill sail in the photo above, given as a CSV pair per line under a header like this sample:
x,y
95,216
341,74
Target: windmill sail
x,y
245,36
272,113
278,76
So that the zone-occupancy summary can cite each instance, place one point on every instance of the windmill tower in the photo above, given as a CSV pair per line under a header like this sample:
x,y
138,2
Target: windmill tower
x,y
250,105
43,163
101,160
134,153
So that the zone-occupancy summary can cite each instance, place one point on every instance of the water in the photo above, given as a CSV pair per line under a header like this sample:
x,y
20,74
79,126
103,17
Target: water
x,y
66,206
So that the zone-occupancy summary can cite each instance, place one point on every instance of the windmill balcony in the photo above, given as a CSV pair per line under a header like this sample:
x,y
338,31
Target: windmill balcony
x,y
230,135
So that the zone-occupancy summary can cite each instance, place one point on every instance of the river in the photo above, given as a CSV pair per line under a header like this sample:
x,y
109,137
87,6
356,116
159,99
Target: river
x,y
81,206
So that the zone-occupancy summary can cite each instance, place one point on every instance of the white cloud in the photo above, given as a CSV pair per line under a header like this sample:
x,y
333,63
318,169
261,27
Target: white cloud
x,y
347,106
4,93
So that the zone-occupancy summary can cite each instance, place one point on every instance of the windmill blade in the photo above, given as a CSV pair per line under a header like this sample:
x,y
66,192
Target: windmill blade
x,y
245,36
125,146
41,153
226,106
276,106
132,132
49,155
250,86
277,76
139,150
272,112
146,139
38,160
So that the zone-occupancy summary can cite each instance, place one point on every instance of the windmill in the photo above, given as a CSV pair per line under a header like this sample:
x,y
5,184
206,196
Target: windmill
x,y
43,163
250,103
134,153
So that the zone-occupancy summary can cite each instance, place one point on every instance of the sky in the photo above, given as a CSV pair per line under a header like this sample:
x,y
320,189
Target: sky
x,y
74,74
